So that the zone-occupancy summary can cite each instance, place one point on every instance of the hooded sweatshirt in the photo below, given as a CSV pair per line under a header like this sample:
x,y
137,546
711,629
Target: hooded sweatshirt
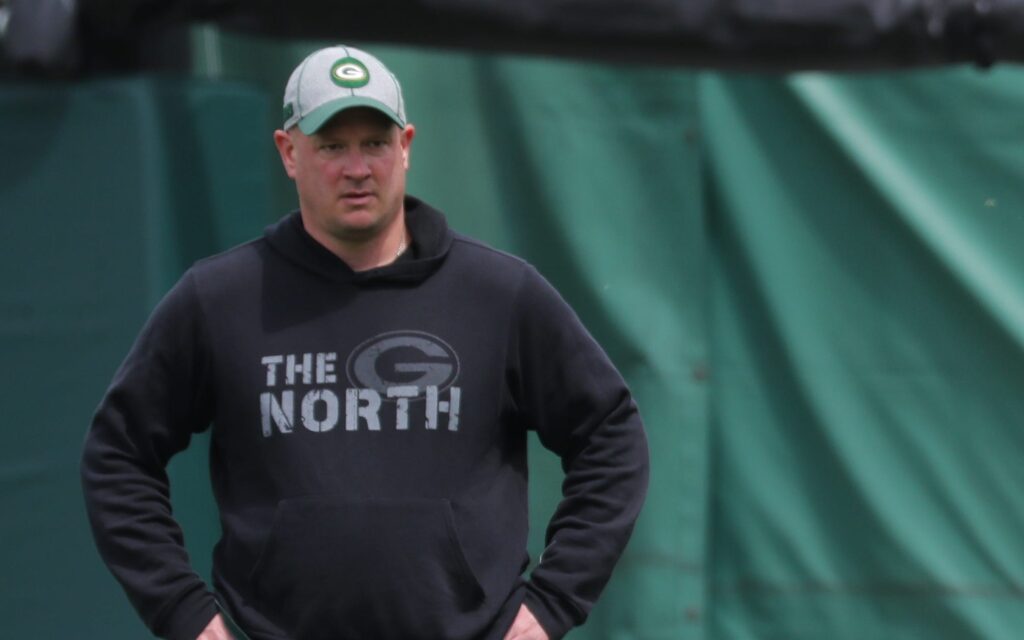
x,y
368,445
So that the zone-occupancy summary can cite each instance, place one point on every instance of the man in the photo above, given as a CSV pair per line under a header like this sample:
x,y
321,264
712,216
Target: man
x,y
370,377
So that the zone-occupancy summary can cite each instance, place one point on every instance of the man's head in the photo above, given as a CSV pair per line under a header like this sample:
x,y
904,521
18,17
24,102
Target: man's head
x,y
345,142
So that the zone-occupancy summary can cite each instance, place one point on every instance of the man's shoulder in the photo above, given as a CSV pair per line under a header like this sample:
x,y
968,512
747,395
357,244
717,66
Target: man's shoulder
x,y
231,268
495,269
238,257
479,251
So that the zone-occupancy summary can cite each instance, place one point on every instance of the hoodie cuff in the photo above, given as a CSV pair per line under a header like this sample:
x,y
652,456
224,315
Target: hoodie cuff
x,y
189,617
554,614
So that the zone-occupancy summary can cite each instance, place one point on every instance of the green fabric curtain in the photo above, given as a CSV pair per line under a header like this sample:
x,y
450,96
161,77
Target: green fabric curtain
x,y
812,283
109,190
867,341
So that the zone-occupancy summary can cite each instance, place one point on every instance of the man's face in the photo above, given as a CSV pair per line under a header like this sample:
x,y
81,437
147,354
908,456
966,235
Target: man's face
x,y
350,175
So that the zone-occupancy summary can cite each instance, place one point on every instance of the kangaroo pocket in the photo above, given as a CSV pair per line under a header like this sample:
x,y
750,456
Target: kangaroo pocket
x,y
370,569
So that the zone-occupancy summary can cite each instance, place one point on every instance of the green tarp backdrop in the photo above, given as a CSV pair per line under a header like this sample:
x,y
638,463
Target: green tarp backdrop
x,y
813,283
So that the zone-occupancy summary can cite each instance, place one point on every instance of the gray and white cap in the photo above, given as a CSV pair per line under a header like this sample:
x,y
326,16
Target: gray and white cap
x,y
336,78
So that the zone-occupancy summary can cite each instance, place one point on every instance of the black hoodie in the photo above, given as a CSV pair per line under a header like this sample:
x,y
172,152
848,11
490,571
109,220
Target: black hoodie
x,y
368,452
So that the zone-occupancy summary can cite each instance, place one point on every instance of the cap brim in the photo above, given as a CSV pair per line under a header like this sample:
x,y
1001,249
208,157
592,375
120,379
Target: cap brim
x,y
319,116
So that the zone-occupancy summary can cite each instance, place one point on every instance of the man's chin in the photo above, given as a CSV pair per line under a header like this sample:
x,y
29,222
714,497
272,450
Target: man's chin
x,y
357,232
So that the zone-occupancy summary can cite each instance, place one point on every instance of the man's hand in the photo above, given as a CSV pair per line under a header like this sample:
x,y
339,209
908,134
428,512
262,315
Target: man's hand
x,y
525,627
217,630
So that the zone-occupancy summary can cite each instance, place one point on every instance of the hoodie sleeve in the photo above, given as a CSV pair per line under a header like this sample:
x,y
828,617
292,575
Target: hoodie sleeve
x,y
159,397
566,388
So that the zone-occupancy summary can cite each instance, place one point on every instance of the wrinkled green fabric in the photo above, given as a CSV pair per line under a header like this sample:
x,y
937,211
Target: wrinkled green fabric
x,y
109,190
813,285
867,314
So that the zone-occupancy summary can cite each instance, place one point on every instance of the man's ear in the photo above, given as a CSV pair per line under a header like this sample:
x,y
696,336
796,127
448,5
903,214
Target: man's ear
x,y
286,148
405,137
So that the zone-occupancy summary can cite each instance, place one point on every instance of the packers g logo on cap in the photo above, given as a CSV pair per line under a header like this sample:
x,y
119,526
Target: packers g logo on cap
x,y
349,72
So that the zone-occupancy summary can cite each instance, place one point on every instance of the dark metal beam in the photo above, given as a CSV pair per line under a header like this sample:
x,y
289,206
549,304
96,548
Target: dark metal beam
x,y
756,35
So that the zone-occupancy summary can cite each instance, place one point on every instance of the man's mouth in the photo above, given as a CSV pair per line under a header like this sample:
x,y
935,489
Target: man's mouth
x,y
356,197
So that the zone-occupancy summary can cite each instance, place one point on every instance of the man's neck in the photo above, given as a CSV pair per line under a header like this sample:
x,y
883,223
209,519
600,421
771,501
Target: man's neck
x,y
372,253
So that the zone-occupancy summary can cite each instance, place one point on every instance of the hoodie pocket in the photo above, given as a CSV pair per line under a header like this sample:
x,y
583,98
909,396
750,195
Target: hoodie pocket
x,y
369,569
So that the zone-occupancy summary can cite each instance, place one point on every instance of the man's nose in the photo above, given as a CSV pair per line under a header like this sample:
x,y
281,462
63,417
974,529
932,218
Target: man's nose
x,y
356,167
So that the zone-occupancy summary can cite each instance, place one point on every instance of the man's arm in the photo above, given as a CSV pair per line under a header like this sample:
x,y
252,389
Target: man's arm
x,y
568,391
158,398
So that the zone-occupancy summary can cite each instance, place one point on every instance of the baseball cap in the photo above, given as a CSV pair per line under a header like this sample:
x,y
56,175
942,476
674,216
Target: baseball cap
x,y
337,78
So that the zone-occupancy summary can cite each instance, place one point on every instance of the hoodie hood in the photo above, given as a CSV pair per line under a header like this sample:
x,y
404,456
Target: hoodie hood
x,y
431,241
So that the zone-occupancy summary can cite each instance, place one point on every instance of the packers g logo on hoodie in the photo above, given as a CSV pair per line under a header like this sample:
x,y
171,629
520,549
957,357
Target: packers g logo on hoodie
x,y
403,358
